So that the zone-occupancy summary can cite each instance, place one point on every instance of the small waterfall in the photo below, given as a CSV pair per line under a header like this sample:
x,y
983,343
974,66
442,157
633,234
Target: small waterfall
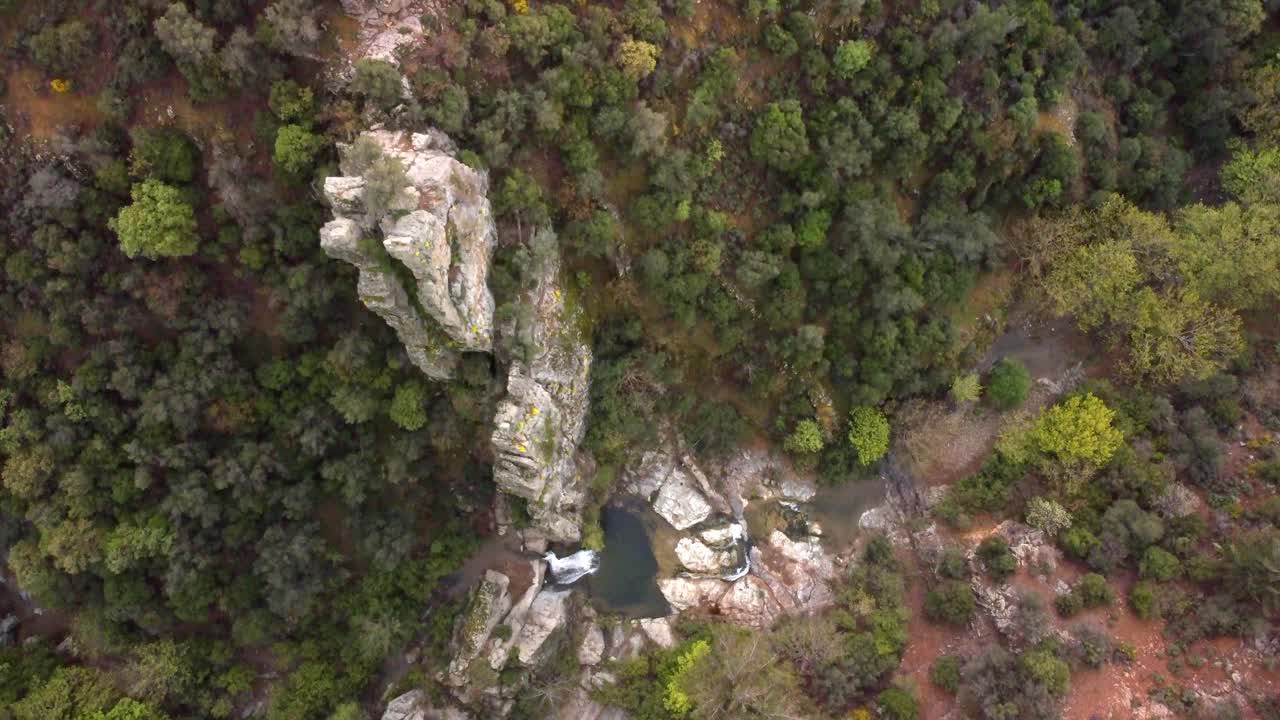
x,y
571,568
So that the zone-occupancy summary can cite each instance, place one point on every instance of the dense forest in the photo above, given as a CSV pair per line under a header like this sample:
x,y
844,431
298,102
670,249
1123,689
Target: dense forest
x,y
229,493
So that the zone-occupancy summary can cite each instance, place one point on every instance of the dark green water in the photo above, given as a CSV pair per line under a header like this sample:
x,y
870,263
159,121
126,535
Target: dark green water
x,y
626,582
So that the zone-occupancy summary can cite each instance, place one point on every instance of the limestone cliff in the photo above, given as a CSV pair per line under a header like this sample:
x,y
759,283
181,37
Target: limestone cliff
x,y
437,233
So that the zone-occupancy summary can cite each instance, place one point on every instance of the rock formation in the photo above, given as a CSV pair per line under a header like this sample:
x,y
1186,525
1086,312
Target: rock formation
x,y
539,424
438,233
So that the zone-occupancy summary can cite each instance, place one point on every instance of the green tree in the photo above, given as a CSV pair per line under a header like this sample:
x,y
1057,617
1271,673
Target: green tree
x,y
408,407
1009,384
895,703
851,57
1075,437
159,223
950,602
805,439
1160,565
379,81
1142,598
868,433
296,149
1046,515
780,139
61,49
636,58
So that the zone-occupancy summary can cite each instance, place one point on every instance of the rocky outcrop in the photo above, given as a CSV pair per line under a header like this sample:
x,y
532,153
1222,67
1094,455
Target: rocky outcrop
x,y
489,604
386,25
439,233
414,705
591,648
540,423
747,601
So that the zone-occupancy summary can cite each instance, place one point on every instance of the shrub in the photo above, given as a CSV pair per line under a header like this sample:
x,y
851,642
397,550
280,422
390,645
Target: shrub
x,y
868,433
1008,384
1094,590
1142,598
291,102
945,673
1158,564
165,155
806,439
950,602
996,558
897,704
1068,604
378,81
965,388
1048,516
408,407
295,150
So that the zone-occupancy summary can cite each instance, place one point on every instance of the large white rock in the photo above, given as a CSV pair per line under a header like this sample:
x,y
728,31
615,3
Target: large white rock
x,y
659,631
680,503
546,615
591,649
699,559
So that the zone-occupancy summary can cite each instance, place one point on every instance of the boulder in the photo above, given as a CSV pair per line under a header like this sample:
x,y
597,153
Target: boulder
x,y
591,649
699,559
687,593
488,605
546,614
498,650
659,632
680,503
414,705
724,536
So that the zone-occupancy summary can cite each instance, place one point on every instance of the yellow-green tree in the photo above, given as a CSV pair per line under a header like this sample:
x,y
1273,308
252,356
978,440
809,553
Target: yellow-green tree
x,y
637,58
1075,438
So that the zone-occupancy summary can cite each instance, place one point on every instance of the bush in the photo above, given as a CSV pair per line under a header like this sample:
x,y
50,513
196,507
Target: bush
x,y
868,433
1157,564
378,81
296,149
408,407
1068,604
897,704
1048,516
945,673
1008,384
1094,590
965,388
806,439
779,139
950,602
1142,598
996,557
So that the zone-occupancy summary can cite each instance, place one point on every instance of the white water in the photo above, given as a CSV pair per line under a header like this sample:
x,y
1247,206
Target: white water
x,y
571,568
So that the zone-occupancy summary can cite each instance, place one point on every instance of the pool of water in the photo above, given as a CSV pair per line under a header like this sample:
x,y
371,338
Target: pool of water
x,y
837,509
626,582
